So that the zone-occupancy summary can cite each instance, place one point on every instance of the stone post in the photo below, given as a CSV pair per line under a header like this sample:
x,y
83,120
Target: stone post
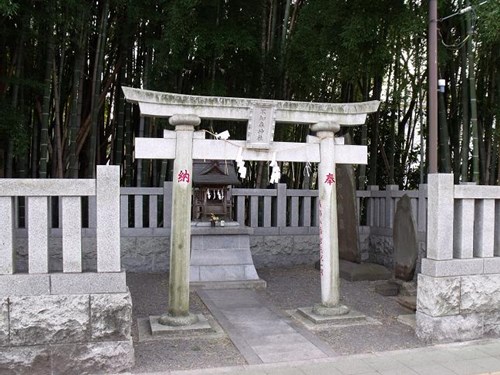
x,y
180,240
328,223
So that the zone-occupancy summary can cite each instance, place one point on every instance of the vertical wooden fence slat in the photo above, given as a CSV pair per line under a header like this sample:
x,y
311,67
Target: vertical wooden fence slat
x,y
281,206
294,214
390,205
240,207
414,210
124,211
167,204
463,229
7,254
138,206
71,219
267,211
92,211
422,208
306,212
254,211
381,212
372,206
153,211
38,235
484,228
497,228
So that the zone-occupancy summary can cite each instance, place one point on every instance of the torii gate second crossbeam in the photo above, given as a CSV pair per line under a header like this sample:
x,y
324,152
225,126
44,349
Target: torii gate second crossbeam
x,y
184,144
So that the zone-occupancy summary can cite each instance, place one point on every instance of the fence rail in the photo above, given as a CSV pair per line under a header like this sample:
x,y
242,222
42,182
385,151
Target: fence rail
x,y
266,210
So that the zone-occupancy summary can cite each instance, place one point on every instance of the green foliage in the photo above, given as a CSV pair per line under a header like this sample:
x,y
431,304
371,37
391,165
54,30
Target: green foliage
x,y
331,50
488,16
8,8
12,126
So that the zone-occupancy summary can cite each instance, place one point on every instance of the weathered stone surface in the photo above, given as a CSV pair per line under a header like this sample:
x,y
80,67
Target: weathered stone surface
x,y
405,241
269,251
365,271
88,283
480,293
4,321
24,284
25,360
49,319
21,247
364,243
55,254
94,358
148,246
110,316
492,324
161,262
89,251
449,328
347,217
438,296
381,250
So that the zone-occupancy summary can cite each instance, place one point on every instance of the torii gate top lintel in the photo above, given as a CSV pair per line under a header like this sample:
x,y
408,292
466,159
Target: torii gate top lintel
x,y
164,104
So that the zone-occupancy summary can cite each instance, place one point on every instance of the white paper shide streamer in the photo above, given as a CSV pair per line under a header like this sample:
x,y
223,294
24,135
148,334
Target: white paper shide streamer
x,y
240,163
276,172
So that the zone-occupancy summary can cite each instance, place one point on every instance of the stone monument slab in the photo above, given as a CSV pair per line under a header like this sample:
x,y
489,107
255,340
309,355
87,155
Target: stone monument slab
x,y
405,241
347,217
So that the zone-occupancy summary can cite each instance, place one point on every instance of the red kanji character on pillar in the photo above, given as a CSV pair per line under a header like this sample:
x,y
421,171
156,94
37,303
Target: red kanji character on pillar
x,y
330,179
183,176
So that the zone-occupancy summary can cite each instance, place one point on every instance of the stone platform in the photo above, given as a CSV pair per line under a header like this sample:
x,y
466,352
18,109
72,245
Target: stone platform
x,y
222,254
363,271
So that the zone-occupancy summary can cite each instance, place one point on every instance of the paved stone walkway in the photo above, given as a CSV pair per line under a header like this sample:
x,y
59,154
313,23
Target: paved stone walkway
x,y
478,357
261,333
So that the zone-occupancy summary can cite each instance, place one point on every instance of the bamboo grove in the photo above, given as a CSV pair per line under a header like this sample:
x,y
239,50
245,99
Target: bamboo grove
x,y
63,63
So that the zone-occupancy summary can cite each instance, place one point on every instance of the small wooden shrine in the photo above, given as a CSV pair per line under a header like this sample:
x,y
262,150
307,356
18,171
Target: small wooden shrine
x,y
212,180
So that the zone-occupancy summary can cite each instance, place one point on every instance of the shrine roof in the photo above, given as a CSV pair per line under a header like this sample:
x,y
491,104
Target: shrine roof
x,y
214,173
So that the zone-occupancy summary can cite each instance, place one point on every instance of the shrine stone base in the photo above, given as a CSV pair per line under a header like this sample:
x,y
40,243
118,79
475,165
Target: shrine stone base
x,y
457,308
221,257
352,317
66,333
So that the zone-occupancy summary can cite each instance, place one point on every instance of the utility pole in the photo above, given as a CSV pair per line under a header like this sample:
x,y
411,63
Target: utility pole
x,y
432,87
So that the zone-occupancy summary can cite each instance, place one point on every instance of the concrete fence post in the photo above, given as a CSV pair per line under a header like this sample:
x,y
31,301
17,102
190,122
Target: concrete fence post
x,y
7,255
108,218
440,217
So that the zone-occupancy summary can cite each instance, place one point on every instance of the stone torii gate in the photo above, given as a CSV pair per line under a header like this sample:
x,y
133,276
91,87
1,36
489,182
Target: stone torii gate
x,y
184,144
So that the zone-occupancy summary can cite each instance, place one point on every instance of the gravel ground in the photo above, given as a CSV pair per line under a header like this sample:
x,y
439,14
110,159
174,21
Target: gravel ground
x,y
288,289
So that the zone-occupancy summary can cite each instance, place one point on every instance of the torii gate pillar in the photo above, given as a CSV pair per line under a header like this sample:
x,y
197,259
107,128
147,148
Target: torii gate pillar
x,y
180,240
328,223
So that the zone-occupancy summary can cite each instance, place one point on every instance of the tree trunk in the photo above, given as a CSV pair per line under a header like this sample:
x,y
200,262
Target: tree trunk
x,y
473,101
96,83
444,149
